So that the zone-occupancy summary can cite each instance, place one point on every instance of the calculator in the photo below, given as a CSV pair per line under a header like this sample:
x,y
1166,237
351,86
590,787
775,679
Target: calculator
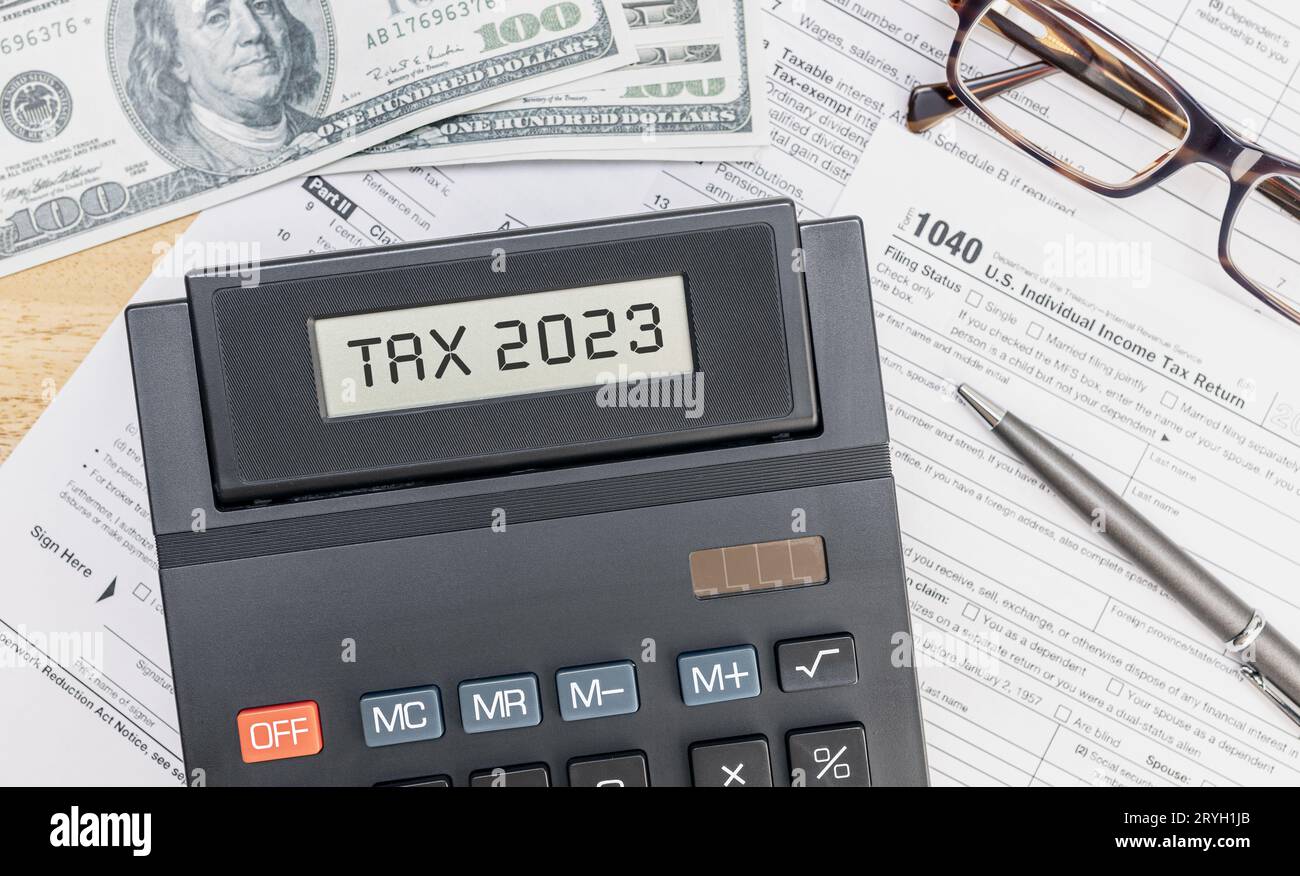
x,y
605,504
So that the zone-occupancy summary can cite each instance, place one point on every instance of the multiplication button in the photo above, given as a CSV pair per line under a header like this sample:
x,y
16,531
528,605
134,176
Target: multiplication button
x,y
731,763
817,662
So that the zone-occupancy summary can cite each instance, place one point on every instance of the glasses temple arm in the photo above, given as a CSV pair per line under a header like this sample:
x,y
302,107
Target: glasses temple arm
x,y
928,105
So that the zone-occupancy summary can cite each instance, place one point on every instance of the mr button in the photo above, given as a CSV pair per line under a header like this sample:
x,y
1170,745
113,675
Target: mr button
x,y
499,703
276,732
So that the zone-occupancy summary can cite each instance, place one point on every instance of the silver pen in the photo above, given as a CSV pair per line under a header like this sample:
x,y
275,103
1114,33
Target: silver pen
x,y
1266,657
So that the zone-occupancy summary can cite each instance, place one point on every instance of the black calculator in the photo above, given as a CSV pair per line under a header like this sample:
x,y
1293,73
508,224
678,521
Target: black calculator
x,y
605,504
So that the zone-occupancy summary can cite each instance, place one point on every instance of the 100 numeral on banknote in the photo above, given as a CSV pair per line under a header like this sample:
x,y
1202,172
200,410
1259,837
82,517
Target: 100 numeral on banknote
x,y
119,114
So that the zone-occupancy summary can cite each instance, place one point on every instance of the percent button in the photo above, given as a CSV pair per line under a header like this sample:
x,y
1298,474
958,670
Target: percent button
x,y
829,757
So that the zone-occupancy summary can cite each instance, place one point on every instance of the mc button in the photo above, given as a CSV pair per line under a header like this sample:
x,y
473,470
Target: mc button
x,y
397,716
277,732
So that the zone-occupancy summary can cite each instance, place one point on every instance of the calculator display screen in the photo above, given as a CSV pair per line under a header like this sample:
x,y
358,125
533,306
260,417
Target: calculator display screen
x,y
492,347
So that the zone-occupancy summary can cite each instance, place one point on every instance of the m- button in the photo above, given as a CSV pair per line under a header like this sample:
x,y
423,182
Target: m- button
x,y
719,675
599,691
277,732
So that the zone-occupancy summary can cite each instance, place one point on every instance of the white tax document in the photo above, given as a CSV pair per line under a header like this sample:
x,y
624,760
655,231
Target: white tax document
x,y
1047,657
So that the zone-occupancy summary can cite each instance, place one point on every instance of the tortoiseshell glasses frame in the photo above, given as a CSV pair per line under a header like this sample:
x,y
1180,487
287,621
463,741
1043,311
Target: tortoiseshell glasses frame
x,y
1122,73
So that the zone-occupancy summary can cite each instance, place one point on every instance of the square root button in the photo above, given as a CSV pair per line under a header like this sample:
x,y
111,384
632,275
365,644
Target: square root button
x,y
599,691
719,675
499,703
822,661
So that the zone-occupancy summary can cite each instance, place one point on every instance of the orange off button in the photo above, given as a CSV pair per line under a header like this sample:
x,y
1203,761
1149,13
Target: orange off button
x,y
277,732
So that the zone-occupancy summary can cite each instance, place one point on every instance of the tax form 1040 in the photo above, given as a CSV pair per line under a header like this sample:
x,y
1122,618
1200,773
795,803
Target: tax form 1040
x,y
1045,656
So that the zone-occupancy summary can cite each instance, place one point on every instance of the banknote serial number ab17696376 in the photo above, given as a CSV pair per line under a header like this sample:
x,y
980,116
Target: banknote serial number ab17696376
x,y
518,28
421,16
12,44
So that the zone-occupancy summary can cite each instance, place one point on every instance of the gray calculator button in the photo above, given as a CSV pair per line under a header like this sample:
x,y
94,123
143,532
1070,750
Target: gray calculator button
x,y
499,703
534,775
829,757
731,763
719,675
424,782
609,771
597,691
396,716
822,661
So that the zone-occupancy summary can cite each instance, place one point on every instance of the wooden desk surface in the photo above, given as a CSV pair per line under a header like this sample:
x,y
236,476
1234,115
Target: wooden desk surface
x,y
51,315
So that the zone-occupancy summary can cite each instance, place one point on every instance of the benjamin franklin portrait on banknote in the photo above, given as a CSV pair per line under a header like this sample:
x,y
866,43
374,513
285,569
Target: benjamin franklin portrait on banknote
x,y
218,84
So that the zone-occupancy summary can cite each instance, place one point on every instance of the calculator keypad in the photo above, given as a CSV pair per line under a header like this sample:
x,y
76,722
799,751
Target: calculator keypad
x,y
828,756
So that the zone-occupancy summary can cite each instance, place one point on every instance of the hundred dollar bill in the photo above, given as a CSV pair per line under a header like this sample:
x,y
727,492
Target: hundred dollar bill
x,y
728,154
660,112
116,115
642,14
691,61
675,56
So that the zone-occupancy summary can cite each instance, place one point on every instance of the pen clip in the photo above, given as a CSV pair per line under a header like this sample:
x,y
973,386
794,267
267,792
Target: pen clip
x,y
1281,700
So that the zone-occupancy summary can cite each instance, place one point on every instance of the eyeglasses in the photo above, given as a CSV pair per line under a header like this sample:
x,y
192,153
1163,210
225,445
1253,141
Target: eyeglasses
x,y
1108,80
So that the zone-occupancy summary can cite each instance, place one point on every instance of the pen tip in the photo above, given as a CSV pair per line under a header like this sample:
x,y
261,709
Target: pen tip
x,y
991,413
